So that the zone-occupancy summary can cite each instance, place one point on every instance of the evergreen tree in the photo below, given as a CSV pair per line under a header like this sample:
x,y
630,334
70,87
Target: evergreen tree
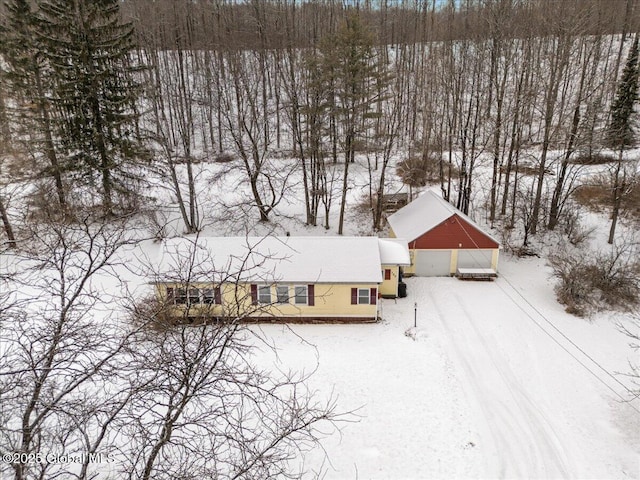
x,y
27,78
621,134
87,47
355,78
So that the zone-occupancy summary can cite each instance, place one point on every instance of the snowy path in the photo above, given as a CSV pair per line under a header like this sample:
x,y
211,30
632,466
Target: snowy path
x,y
524,442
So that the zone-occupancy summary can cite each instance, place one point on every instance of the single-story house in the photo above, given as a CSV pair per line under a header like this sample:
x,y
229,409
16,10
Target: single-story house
x,y
292,279
442,240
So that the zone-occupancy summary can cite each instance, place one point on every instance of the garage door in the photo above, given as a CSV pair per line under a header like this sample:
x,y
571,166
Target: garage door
x,y
433,263
474,258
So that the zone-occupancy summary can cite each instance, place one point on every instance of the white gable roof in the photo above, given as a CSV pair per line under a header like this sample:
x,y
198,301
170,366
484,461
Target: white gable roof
x,y
394,251
272,259
423,214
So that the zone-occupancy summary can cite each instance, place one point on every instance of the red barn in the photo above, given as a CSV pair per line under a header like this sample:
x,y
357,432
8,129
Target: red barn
x,y
442,239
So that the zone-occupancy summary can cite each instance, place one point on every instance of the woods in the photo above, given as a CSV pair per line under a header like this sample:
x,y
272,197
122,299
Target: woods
x,y
470,81
119,114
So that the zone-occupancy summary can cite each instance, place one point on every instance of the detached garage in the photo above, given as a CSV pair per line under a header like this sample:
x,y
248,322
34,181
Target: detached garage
x,y
442,239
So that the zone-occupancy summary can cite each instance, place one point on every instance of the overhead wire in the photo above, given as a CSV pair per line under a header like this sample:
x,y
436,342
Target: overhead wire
x,y
633,394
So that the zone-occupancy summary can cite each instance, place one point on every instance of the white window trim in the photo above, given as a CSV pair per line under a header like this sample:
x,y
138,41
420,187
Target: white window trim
x,y
213,296
288,295
306,295
368,302
180,296
260,300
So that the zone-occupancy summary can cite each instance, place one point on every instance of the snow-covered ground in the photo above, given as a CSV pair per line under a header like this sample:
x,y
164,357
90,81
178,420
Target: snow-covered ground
x,y
497,381
485,387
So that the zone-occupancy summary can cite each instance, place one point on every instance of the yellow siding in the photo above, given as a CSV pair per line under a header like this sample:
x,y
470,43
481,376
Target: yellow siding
x,y
411,269
331,300
390,287
391,233
453,266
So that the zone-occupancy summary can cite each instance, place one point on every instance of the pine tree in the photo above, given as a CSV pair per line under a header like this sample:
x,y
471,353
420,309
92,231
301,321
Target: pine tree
x,y
27,77
355,77
87,47
621,132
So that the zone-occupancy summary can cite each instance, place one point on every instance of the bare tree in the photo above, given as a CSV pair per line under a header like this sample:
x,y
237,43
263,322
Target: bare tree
x,y
54,355
5,136
391,113
560,193
204,408
248,125
557,54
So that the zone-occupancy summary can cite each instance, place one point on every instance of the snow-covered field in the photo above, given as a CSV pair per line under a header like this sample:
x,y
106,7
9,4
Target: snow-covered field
x,y
484,388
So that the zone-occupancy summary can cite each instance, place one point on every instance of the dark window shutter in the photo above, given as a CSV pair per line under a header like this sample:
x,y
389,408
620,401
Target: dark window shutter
x,y
170,295
217,294
354,296
311,295
254,294
387,274
374,296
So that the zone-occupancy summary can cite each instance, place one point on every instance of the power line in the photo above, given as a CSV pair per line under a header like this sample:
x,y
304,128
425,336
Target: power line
x,y
570,353
503,277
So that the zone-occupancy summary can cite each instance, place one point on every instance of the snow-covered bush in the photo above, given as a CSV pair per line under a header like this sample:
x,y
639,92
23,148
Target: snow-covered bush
x,y
592,281
574,289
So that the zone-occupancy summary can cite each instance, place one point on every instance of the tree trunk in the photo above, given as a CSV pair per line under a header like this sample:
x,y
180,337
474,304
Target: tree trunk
x,y
559,63
554,213
345,186
7,225
50,150
616,199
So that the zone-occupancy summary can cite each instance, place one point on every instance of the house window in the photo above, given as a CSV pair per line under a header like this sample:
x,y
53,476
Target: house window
x,y
194,296
387,274
264,294
301,294
211,296
282,294
208,296
181,296
363,296
171,297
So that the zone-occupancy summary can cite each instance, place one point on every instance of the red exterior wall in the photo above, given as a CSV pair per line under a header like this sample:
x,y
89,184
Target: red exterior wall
x,y
451,234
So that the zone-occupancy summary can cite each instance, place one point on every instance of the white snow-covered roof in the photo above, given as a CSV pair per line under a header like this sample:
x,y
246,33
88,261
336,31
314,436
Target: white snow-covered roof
x,y
272,259
394,251
423,214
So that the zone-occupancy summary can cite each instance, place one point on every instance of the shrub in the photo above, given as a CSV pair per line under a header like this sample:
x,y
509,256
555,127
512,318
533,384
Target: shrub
x,y
572,227
616,275
597,281
418,171
574,289
224,157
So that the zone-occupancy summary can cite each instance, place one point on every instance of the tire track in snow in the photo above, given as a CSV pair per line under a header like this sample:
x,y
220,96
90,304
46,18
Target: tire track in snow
x,y
525,443
548,447
501,447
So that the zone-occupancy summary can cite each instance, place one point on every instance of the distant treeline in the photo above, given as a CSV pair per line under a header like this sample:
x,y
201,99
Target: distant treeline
x,y
255,24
